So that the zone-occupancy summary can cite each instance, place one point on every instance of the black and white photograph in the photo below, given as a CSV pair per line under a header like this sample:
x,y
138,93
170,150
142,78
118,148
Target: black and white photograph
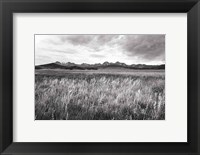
x,y
99,76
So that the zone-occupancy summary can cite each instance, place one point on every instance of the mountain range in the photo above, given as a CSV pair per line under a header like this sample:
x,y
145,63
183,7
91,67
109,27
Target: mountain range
x,y
105,65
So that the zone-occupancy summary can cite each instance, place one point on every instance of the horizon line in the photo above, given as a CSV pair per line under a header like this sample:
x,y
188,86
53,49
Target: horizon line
x,y
100,63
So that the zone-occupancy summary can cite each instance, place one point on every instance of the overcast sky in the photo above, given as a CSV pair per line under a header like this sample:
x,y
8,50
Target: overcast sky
x,y
129,49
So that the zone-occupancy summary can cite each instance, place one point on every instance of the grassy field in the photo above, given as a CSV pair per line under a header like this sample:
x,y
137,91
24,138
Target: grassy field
x,y
100,94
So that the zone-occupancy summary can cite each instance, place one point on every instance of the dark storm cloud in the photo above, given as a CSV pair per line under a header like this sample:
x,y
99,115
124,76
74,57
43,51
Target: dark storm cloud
x,y
148,47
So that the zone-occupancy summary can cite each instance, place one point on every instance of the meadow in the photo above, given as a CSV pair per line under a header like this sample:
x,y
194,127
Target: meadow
x,y
99,94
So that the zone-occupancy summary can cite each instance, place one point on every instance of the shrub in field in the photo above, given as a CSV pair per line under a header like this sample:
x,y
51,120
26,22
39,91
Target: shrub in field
x,y
99,97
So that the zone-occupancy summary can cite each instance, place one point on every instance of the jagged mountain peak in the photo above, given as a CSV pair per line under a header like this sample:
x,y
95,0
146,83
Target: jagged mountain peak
x,y
106,64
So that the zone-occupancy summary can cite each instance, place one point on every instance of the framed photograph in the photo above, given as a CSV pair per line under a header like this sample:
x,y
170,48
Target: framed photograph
x,y
99,77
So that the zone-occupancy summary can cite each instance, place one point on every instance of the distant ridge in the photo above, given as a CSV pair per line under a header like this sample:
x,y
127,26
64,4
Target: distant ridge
x,y
85,66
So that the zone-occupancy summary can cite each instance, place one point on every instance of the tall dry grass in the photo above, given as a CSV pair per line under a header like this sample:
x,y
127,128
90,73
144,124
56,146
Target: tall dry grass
x,y
100,97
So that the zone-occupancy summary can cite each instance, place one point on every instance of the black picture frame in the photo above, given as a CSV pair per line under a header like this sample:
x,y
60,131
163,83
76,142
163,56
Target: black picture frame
x,y
8,7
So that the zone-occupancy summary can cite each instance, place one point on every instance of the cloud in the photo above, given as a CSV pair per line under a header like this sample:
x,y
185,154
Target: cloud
x,y
77,39
130,48
97,56
64,51
105,39
95,42
147,47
